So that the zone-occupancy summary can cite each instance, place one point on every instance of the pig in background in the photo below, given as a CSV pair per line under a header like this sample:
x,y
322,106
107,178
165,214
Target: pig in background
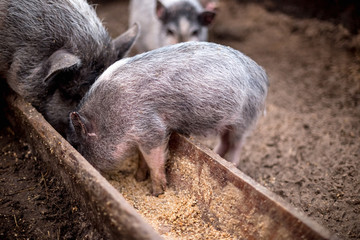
x,y
166,22
52,51
194,88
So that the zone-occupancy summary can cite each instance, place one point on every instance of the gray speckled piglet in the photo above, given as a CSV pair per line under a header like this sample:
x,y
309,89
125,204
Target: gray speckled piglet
x,y
191,88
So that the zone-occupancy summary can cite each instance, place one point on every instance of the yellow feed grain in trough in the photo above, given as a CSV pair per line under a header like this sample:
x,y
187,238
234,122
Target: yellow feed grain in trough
x,y
175,214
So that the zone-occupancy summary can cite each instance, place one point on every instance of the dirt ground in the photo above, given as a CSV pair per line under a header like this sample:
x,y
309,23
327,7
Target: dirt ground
x,y
33,203
306,149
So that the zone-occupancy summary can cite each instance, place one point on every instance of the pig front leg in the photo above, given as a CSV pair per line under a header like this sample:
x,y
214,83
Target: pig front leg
x,y
142,171
155,160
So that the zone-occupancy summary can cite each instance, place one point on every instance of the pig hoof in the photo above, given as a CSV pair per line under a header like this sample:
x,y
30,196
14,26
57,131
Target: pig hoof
x,y
157,193
158,190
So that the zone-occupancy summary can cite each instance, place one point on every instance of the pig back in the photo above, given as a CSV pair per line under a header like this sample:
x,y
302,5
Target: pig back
x,y
189,86
32,30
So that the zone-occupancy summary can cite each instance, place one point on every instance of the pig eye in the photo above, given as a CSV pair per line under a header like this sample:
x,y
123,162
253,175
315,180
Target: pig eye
x,y
195,33
170,32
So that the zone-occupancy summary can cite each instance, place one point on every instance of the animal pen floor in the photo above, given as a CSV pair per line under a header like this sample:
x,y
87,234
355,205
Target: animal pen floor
x,y
306,149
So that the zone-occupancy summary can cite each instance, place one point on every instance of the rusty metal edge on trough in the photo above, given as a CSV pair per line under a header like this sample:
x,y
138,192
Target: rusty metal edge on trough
x,y
105,206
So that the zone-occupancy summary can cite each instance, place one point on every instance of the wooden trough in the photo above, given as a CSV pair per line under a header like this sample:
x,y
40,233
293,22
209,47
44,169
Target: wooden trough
x,y
225,198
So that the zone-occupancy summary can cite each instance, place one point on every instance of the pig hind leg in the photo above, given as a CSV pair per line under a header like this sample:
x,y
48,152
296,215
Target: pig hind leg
x,y
155,160
231,141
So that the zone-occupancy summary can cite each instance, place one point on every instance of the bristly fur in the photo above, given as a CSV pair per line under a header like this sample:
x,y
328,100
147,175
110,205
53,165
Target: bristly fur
x,y
193,88
31,31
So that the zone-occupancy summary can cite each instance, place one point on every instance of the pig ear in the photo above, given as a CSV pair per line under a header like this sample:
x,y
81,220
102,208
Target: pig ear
x,y
60,61
211,6
161,11
125,41
81,126
206,17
